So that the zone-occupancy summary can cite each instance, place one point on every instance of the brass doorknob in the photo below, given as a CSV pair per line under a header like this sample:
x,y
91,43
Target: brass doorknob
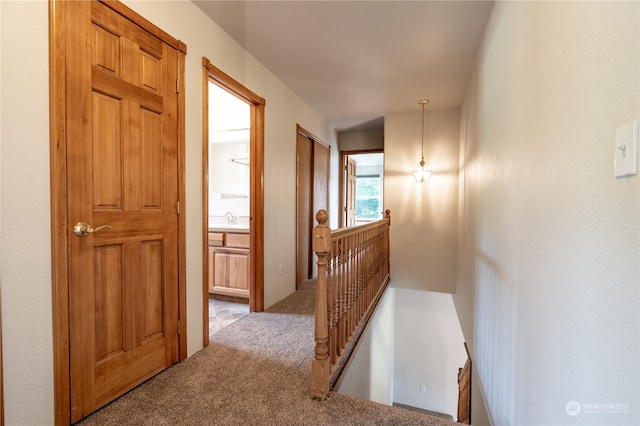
x,y
82,229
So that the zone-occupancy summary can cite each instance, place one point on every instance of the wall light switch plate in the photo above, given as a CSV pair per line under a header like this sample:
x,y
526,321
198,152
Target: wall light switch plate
x,y
626,155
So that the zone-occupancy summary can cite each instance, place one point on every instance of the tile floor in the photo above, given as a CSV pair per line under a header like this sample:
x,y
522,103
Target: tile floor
x,y
221,314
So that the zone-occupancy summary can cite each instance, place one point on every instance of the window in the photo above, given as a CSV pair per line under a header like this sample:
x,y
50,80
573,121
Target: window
x,y
362,198
368,202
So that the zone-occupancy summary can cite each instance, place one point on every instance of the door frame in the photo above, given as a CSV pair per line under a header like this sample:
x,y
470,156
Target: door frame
x,y
58,181
256,188
343,184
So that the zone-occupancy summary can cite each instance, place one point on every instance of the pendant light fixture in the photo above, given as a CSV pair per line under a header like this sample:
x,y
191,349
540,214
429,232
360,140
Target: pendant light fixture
x,y
424,172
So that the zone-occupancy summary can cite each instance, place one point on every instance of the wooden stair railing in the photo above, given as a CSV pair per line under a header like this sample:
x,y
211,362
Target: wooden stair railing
x,y
353,272
464,390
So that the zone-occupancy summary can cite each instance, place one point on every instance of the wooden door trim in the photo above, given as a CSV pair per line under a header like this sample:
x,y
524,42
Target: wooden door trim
x,y
256,190
58,184
307,134
231,85
182,197
342,183
205,204
59,255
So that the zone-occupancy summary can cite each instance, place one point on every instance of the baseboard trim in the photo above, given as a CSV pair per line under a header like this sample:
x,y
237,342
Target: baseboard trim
x,y
423,411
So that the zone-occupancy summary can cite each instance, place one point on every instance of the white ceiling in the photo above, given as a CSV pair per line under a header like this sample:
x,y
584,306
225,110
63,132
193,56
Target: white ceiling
x,y
356,61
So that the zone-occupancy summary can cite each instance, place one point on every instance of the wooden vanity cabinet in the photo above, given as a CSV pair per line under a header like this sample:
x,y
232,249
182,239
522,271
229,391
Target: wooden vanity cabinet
x,y
229,264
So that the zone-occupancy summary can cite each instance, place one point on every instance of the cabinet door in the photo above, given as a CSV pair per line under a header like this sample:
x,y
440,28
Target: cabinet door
x,y
230,272
220,274
212,268
238,272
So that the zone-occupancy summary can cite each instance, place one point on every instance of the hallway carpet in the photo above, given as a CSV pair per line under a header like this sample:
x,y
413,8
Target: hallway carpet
x,y
255,372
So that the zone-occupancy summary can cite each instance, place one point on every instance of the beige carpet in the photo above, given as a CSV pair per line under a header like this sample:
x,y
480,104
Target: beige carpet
x,y
255,372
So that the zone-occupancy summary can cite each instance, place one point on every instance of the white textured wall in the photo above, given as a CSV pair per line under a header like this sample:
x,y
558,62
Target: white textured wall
x,y
25,228
27,340
429,349
424,217
369,373
549,256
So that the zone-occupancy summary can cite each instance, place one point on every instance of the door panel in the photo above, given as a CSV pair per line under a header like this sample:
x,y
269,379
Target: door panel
x,y
107,147
312,194
350,207
109,300
304,190
321,158
151,290
122,171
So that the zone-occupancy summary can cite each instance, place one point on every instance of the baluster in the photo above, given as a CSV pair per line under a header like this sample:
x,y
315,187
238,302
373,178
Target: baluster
x,y
387,252
353,239
348,284
365,270
338,291
362,260
362,276
331,291
341,295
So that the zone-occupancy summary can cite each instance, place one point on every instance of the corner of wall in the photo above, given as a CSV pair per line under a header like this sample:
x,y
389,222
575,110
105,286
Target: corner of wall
x,y
479,412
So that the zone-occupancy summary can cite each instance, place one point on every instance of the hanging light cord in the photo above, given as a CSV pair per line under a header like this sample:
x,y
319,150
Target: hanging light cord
x,y
422,102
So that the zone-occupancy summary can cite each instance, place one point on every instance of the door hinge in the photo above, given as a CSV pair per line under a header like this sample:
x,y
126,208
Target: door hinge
x,y
178,207
177,85
178,326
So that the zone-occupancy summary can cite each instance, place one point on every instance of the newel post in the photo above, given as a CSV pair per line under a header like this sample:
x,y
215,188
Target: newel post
x,y
320,366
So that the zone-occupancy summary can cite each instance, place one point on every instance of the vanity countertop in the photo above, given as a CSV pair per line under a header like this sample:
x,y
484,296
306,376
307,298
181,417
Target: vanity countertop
x,y
240,229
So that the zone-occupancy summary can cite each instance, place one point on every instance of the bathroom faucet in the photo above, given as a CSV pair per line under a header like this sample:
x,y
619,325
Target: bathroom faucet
x,y
231,219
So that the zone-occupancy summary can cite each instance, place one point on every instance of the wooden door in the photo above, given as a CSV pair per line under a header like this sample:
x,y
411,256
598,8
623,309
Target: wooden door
x,y
350,190
312,194
304,193
321,164
321,157
122,174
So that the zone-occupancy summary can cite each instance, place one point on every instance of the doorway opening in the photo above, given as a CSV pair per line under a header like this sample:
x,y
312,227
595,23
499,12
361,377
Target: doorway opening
x,y
232,200
361,188
229,218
